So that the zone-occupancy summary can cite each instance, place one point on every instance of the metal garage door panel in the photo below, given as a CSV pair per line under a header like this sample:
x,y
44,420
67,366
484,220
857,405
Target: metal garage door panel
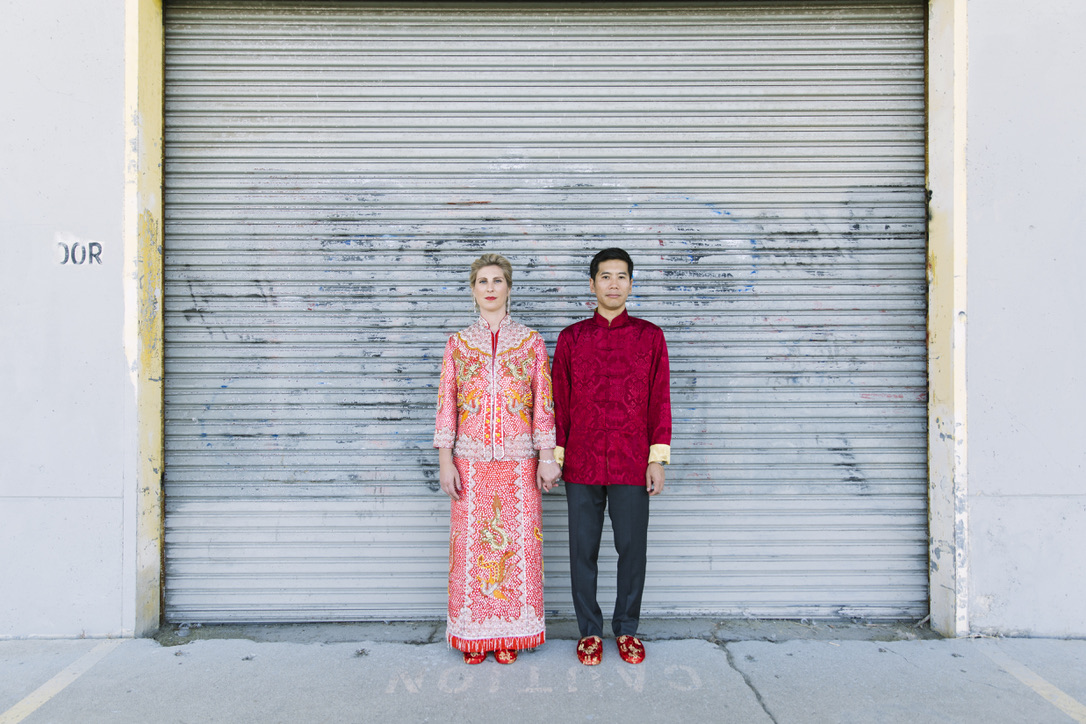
x,y
332,170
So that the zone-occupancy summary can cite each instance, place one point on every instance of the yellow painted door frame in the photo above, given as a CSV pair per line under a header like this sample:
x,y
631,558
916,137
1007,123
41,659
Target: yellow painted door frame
x,y
143,111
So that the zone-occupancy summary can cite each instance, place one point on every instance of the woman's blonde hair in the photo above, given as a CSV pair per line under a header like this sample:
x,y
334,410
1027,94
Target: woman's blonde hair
x,y
492,260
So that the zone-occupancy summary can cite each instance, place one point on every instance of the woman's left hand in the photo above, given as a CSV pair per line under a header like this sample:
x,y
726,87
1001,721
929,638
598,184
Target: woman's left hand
x,y
547,473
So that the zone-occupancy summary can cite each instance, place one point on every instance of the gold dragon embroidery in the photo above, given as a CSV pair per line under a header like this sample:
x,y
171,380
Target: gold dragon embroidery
x,y
519,370
465,368
468,404
493,534
493,574
539,537
467,399
452,558
519,404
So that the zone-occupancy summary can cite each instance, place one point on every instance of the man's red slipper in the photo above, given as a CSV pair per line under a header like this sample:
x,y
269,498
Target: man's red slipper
x,y
590,650
631,649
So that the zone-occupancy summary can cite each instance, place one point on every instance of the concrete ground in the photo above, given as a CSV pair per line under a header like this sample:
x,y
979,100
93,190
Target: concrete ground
x,y
705,671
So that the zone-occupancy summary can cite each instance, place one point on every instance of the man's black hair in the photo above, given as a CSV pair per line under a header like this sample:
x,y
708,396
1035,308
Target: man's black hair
x,y
608,255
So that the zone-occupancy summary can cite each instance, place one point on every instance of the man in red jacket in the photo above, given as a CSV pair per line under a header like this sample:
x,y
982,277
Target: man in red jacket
x,y
613,420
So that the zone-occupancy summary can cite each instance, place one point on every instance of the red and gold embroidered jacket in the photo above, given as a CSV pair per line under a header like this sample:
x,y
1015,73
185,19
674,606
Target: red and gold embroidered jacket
x,y
612,400
495,405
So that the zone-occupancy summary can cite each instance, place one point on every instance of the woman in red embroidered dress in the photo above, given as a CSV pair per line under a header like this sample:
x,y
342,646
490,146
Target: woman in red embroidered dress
x,y
495,435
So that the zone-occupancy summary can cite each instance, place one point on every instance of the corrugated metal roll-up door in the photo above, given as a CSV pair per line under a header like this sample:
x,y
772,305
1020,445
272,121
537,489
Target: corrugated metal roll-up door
x,y
332,170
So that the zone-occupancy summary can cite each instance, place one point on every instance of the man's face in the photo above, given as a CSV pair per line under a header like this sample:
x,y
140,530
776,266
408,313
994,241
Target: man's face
x,y
611,285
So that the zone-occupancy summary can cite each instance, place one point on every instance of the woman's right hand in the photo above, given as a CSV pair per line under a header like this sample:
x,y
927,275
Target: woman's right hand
x,y
449,477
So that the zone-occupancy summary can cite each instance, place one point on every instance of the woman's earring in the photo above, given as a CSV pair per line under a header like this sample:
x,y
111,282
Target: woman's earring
x,y
475,303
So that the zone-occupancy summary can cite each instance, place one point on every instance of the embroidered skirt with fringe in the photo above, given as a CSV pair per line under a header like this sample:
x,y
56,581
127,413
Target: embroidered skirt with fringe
x,y
496,557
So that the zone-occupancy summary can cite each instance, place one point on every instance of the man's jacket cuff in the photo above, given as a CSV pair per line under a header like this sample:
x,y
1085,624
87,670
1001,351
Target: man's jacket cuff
x,y
560,455
657,454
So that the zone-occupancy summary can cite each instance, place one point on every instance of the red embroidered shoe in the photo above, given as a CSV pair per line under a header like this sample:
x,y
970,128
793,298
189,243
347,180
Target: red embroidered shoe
x,y
631,649
590,650
505,656
474,657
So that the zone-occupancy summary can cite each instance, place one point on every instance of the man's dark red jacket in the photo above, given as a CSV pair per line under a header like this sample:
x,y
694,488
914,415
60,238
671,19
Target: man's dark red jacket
x,y
612,400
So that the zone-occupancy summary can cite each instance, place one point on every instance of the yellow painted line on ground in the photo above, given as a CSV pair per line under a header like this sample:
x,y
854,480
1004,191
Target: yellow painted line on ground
x,y
57,684
1057,697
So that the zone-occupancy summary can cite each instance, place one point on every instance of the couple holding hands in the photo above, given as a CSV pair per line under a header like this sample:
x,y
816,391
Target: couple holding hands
x,y
507,430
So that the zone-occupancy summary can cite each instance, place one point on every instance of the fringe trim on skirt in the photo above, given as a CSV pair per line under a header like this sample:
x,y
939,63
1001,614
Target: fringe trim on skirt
x,y
497,644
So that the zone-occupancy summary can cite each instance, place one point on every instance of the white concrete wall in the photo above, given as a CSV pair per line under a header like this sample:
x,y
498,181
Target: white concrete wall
x,y
1027,315
62,368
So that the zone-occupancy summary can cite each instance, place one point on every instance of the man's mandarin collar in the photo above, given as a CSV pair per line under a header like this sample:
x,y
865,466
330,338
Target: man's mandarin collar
x,y
621,319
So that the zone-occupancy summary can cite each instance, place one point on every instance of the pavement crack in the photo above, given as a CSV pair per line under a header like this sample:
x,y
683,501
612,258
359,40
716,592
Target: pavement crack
x,y
903,657
749,683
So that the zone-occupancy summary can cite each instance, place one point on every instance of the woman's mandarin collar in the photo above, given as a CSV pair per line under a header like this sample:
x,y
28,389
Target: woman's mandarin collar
x,y
506,320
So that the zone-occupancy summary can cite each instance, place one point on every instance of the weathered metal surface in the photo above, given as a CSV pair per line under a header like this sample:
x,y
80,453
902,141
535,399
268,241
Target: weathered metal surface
x,y
331,171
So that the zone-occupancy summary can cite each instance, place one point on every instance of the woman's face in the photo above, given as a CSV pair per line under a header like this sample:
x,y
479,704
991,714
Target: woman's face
x,y
491,290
